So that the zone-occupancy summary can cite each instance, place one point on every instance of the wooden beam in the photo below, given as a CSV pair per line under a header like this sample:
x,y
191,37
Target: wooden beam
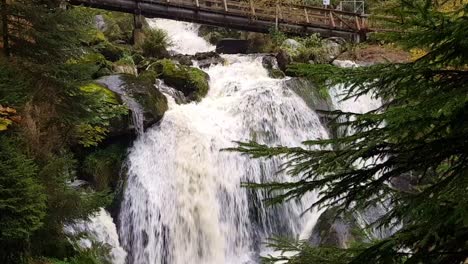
x,y
306,15
358,26
252,8
225,5
332,20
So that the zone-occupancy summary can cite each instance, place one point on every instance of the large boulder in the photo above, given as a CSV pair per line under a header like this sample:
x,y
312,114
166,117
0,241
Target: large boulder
x,y
192,82
143,90
284,59
232,46
292,44
335,229
270,63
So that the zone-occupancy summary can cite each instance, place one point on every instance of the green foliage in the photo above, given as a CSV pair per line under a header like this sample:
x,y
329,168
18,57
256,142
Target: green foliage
x,y
193,82
119,26
15,88
104,166
155,43
312,49
48,33
65,205
418,135
277,38
22,202
103,106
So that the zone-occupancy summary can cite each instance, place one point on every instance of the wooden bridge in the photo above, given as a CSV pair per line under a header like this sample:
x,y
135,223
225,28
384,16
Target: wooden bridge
x,y
246,15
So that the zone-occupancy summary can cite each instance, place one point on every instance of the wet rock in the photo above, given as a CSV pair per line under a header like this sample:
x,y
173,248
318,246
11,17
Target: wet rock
x,y
207,59
283,59
183,59
269,62
232,46
144,91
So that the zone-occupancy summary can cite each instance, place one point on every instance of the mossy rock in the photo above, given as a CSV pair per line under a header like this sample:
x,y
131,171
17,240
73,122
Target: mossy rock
x,y
99,90
102,167
276,74
125,65
111,52
142,89
192,82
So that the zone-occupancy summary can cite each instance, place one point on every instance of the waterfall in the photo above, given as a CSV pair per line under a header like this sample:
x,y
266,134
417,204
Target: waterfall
x,y
183,200
99,229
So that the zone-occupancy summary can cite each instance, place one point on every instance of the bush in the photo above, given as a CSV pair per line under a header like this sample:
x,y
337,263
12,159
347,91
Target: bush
x,y
103,106
155,43
22,202
103,166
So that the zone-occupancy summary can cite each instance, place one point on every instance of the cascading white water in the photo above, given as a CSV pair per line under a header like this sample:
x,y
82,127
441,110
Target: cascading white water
x,y
100,229
184,36
184,202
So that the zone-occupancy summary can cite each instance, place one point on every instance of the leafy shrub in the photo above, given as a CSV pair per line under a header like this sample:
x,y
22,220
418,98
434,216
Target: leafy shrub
x,y
312,49
103,106
103,166
155,43
22,202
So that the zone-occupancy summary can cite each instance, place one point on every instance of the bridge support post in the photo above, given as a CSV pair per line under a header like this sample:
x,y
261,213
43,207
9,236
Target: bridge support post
x,y
138,35
138,19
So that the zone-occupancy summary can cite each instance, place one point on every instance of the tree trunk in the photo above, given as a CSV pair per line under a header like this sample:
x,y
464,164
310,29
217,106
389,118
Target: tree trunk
x,y
6,41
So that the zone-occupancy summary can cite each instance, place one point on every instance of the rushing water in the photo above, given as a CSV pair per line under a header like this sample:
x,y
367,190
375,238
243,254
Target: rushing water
x,y
99,229
184,202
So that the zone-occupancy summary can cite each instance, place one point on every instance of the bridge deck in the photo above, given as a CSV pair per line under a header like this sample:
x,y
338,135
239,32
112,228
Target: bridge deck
x,y
245,15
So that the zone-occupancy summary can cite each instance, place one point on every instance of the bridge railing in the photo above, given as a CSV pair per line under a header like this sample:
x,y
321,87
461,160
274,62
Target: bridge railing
x,y
277,12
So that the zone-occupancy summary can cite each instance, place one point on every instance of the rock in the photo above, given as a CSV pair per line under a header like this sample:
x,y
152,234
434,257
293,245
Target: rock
x,y
110,51
232,46
206,59
283,59
336,230
192,82
125,65
142,89
269,62
125,69
292,44
333,46
183,59
100,23
102,72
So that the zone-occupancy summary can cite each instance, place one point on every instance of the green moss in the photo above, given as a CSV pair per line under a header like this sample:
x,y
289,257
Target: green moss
x,y
111,51
276,74
193,82
125,60
106,94
143,90
103,166
104,106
